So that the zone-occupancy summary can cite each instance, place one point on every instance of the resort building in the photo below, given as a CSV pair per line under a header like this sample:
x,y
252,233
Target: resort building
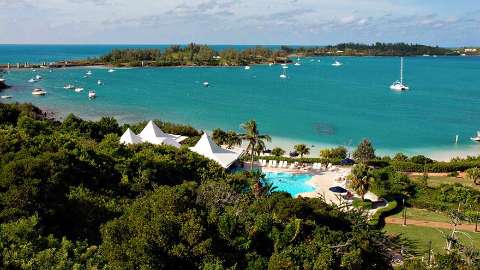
x,y
209,149
152,134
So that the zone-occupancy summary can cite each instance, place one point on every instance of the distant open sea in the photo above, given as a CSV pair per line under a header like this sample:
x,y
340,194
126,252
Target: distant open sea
x,y
317,104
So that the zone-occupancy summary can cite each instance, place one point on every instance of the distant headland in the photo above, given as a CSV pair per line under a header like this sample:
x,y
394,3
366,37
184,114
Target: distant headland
x,y
204,55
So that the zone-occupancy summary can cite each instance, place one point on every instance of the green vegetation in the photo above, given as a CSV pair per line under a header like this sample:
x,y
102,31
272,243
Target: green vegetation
x,y
334,153
424,214
229,138
364,152
366,204
254,139
302,149
422,235
72,197
203,55
278,152
360,178
436,181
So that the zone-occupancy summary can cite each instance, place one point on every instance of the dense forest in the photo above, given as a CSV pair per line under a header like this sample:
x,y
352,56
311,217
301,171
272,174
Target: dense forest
x,y
203,55
72,197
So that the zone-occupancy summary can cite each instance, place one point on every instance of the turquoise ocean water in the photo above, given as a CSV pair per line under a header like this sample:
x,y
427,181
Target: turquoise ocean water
x,y
317,104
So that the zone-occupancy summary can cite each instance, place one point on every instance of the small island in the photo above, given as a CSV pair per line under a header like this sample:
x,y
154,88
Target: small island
x,y
204,55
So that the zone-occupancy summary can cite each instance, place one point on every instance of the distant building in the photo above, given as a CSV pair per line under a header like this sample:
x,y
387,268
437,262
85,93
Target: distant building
x,y
471,50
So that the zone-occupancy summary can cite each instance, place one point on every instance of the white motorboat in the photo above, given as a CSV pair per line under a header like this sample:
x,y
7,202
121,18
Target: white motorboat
x,y
38,77
284,74
398,85
38,92
79,89
247,67
99,82
337,63
89,73
32,80
476,138
92,94
68,87
206,84
270,64
5,97
111,70
297,64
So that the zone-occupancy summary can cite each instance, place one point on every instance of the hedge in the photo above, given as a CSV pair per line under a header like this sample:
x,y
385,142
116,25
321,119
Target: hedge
x,y
383,212
436,167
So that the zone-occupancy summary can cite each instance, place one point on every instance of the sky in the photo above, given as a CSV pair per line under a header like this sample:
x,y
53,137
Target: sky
x,y
263,22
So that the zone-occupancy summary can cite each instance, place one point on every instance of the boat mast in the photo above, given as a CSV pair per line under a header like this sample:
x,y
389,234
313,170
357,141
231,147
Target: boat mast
x,y
401,70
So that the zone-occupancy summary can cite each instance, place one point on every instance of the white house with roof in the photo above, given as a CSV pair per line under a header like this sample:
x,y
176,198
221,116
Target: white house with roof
x,y
152,134
209,149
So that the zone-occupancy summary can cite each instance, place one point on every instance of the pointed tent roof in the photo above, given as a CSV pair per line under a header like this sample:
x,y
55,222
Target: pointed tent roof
x,y
130,138
151,131
209,149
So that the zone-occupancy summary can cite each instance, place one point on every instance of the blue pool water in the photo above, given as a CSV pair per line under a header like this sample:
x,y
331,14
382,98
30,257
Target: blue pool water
x,y
317,104
291,183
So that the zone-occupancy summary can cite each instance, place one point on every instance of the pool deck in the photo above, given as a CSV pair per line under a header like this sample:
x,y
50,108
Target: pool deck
x,y
322,181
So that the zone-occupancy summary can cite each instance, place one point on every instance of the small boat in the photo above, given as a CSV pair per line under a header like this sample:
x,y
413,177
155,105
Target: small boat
x,y
32,80
38,77
297,64
89,73
206,84
111,70
284,74
68,87
38,92
463,54
284,66
318,61
398,85
270,64
247,67
426,55
477,138
337,64
79,89
92,94
5,97
99,82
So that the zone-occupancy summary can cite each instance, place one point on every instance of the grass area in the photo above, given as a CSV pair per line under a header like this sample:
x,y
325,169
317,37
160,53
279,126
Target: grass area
x,y
422,214
435,181
420,236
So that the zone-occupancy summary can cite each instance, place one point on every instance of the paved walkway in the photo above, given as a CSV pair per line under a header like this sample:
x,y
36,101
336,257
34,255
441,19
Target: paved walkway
x,y
430,224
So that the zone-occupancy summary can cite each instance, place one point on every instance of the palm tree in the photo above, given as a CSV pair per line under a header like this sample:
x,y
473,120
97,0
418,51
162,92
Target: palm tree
x,y
360,178
254,138
232,139
473,174
302,149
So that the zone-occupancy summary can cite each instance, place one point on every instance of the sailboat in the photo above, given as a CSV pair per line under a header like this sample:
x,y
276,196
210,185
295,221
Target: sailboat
x,y
336,63
477,138
398,85
284,74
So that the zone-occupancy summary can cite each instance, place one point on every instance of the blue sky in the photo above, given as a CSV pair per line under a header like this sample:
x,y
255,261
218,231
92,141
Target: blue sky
x,y
308,22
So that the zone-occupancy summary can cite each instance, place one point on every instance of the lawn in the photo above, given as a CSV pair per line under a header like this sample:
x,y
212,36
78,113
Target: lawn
x,y
420,236
422,214
435,181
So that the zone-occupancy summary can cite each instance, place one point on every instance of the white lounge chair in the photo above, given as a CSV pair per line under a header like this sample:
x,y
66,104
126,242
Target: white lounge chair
x,y
274,163
292,166
280,164
285,164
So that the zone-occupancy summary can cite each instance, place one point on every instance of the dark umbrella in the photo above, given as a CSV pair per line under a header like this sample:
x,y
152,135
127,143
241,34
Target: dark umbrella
x,y
338,189
347,161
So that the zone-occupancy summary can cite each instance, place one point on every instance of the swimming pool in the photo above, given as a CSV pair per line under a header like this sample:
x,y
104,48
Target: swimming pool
x,y
289,182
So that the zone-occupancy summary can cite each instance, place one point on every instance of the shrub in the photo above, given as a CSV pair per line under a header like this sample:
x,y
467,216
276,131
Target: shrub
x,y
277,151
383,212
367,204
334,153
420,159
364,152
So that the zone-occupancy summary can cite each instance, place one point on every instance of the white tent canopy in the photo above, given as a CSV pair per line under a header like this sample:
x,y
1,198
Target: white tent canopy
x,y
130,138
209,149
152,134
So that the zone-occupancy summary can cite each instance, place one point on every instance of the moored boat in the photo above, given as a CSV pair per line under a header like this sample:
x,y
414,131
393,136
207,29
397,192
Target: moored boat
x,y
39,92
92,94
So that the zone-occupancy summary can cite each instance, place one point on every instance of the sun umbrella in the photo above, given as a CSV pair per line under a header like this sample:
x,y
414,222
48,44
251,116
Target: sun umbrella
x,y
338,189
